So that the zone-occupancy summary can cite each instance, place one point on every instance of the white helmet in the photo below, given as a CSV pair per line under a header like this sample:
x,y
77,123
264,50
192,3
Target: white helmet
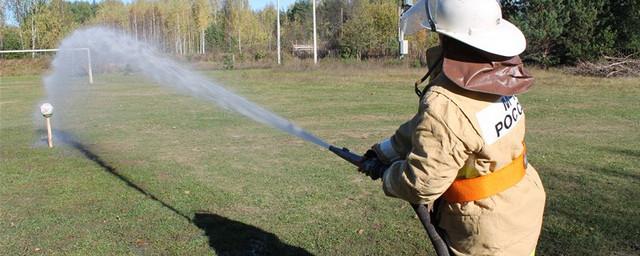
x,y
477,23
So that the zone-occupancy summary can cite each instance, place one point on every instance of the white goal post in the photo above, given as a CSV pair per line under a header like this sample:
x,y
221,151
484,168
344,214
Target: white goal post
x,y
89,70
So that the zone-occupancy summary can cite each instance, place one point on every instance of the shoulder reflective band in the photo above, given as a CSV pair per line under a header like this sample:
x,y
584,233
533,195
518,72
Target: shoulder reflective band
x,y
465,190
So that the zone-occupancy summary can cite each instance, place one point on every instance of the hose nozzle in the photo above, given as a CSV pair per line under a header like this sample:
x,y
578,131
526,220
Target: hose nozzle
x,y
347,155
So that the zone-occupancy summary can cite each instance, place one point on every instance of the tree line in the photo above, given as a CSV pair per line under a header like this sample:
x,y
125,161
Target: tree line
x,y
558,31
569,31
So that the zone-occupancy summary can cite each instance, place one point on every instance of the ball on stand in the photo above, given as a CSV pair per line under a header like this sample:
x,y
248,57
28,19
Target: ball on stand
x,y
46,110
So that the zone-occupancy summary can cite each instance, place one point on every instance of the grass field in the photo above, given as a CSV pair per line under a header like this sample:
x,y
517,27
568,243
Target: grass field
x,y
149,171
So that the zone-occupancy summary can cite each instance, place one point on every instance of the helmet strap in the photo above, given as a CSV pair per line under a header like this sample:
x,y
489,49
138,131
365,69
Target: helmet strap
x,y
418,82
432,24
429,18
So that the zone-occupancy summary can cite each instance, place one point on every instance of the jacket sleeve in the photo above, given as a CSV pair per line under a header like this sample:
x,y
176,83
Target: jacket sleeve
x,y
397,146
436,154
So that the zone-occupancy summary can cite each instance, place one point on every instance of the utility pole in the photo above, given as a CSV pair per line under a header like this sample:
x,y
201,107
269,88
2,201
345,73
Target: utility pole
x,y
278,28
404,44
315,41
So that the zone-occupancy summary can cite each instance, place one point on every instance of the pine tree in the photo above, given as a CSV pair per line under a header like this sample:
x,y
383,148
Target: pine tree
x,y
623,17
586,36
543,23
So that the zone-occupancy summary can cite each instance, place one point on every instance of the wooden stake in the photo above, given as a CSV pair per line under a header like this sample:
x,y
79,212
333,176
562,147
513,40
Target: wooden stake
x,y
49,135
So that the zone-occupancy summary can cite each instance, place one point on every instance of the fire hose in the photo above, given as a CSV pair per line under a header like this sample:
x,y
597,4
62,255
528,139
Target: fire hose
x,y
421,210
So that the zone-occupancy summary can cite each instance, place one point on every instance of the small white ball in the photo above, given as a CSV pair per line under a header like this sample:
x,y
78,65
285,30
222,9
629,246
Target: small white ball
x,y
46,109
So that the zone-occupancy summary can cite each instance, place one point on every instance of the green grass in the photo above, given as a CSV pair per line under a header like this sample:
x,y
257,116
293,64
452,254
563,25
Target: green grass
x,y
156,172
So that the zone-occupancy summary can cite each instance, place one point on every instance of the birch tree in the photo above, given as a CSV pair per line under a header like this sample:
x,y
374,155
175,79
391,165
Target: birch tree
x,y
2,29
202,13
52,22
21,9
234,14
112,13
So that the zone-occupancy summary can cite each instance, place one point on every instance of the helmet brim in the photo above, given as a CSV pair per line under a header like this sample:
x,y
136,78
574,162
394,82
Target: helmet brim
x,y
505,39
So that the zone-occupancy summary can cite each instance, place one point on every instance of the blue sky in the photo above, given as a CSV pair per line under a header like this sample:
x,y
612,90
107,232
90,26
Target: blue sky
x,y
259,4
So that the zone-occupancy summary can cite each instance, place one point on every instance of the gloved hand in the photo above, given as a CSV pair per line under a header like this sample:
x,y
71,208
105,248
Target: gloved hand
x,y
372,166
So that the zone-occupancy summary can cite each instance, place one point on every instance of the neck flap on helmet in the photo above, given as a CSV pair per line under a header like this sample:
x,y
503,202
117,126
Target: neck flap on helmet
x,y
475,70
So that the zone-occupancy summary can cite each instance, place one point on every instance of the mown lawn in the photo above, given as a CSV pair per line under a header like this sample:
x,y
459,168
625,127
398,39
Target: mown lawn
x,y
150,171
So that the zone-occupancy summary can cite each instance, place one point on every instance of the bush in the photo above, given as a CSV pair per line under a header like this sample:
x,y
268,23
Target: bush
x,y
10,41
228,61
259,55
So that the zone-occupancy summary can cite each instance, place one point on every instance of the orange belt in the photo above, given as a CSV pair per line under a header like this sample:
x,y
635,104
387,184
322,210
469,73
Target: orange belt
x,y
465,190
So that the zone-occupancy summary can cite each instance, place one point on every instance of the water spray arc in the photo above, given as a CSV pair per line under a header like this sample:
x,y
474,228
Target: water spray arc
x,y
111,48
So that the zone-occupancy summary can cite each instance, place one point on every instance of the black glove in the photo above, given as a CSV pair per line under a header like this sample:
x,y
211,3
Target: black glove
x,y
372,166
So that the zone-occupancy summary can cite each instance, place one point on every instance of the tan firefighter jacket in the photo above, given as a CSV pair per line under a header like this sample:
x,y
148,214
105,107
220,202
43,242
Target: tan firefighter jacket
x,y
459,133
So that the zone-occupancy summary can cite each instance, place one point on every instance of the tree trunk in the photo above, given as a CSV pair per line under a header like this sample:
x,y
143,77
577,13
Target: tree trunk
x,y
33,36
187,38
177,48
144,28
178,51
134,26
22,40
153,25
202,42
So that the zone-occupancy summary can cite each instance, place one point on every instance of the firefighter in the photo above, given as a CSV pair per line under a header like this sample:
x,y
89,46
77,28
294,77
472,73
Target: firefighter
x,y
464,153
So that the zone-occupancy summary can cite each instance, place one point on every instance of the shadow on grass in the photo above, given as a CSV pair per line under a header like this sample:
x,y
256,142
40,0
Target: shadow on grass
x,y
230,237
620,151
226,236
588,209
619,167
626,151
